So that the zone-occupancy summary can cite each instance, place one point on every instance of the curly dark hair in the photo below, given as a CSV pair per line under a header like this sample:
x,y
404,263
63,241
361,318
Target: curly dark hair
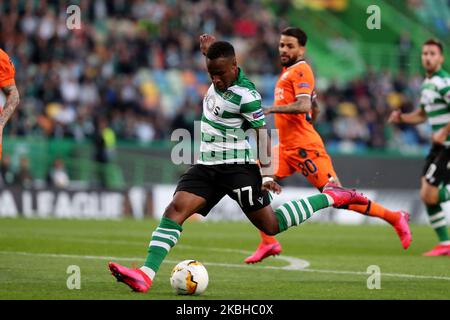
x,y
296,33
220,49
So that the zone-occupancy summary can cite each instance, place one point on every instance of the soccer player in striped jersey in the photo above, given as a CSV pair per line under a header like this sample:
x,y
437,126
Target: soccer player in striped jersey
x,y
301,148
434,106
228,167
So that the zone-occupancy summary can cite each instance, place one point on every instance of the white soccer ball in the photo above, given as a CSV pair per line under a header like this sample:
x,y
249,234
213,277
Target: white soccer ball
x,y
189,277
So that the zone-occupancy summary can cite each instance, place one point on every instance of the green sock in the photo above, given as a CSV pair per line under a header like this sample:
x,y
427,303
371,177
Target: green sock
x,y
163,239
295,212
437,220
444,193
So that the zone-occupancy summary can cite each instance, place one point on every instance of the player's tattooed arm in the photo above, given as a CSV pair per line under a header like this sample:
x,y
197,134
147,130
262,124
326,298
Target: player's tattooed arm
x,y
302,105
12,101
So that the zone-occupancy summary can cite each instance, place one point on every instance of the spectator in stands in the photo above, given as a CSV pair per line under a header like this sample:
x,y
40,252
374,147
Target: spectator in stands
x,y
58,176
136,63
6,173
105,143
23,176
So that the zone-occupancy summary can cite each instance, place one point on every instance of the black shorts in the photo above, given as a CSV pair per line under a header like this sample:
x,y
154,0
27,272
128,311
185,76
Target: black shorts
x,y
436,169
241,182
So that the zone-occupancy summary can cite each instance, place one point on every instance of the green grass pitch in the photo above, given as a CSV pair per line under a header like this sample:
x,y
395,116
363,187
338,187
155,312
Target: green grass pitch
x,y
35,255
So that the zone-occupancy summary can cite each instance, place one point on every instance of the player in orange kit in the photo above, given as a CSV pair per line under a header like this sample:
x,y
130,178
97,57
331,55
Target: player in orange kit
x,y
8,87
300,146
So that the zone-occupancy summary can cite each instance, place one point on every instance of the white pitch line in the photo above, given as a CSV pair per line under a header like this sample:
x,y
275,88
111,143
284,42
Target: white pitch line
x,y
397,275
293,263
57,255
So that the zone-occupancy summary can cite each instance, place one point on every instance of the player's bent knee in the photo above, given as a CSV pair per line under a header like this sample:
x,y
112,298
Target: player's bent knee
x,y
429,196
175,212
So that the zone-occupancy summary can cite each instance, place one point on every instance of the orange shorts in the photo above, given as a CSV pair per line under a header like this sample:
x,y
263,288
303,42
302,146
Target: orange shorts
x,y
315,164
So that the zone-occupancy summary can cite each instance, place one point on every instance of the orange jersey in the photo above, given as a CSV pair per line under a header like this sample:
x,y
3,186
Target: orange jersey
x,y
7,70
295,130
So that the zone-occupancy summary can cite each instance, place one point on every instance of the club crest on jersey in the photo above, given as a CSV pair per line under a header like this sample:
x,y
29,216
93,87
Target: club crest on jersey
x,y
228,95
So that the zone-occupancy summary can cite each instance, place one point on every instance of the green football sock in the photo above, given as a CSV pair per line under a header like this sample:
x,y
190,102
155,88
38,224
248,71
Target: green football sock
x,y
437,220
444,193
295,212
163,239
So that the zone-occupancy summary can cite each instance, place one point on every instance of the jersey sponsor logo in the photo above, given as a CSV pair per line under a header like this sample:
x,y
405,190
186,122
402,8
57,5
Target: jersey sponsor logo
x,y
258,114
261,200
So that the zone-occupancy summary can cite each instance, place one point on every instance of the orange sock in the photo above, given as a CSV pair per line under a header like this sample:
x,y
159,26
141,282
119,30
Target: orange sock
x,y
267,239
374,209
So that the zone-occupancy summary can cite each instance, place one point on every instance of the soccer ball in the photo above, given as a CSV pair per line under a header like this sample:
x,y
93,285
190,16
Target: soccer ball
x,y
189,277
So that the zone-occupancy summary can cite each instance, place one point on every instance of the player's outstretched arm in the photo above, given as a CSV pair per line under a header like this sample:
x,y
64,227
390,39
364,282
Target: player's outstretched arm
x,y
416,117
12,101
302,105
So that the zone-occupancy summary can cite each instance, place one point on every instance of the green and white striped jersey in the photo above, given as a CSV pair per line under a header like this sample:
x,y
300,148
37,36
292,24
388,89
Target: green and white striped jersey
x,y
435,100
226,117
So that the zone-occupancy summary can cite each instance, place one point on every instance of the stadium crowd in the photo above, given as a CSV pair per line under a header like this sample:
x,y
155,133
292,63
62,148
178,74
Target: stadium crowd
x,y
137,63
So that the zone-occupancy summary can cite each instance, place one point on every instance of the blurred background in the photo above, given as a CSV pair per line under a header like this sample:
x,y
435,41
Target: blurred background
x,y
99,103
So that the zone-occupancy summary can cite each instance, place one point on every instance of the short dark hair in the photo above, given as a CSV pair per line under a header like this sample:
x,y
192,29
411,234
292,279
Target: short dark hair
x,y
298,33
435,42
220,49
